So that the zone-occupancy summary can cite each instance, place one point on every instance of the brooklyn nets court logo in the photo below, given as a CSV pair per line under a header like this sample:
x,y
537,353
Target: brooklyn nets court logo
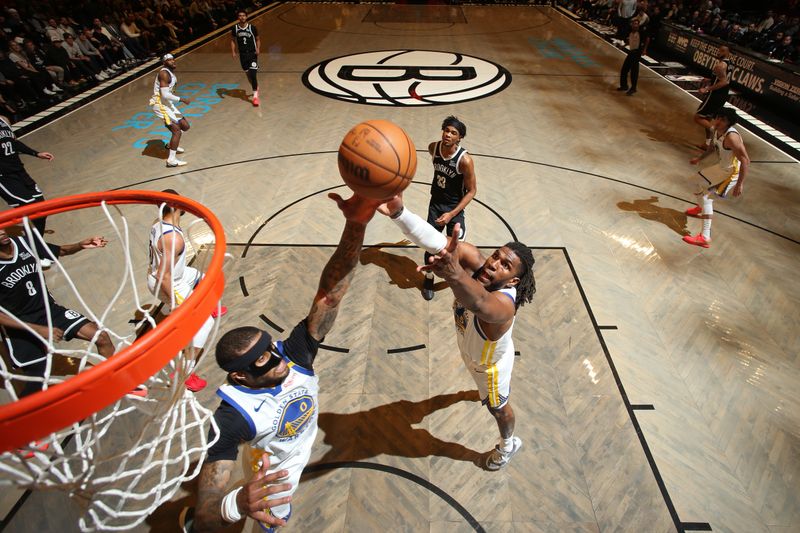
x,y
407,78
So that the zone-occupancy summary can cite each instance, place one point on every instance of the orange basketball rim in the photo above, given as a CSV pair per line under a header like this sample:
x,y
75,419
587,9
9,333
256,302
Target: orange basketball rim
x,y
40,414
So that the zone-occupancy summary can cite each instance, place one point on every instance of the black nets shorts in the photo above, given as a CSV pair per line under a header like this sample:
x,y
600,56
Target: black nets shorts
x,y
26,349
249,61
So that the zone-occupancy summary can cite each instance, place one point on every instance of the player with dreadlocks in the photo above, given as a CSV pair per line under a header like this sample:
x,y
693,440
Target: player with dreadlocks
x,y
488,292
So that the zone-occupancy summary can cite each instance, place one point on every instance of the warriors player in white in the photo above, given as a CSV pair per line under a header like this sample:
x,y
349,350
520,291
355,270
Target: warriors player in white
x,y
488,292
163,103
24,295
271,398
734,162
173,279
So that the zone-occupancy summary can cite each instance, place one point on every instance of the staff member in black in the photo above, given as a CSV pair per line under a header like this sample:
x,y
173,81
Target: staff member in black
x,y
16,186
244,37
454,186
636,43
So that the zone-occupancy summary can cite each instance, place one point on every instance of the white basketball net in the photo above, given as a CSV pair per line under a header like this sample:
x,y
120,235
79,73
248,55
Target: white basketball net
x,y
123,462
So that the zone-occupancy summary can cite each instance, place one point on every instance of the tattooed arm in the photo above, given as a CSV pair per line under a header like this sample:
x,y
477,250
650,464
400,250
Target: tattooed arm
x,y
251,500
338,272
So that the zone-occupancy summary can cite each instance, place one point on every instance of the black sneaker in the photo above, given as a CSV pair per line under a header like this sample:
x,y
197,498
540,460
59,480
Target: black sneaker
x,y
621,88
186,519
631,92
427,288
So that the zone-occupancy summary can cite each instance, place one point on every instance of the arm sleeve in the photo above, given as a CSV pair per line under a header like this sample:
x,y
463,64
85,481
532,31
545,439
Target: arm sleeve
x,y
420,232
300,347
233,430
23,148
167,95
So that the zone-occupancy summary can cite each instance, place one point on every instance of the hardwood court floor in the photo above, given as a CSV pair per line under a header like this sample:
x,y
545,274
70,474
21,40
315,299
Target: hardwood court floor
x,y
704,342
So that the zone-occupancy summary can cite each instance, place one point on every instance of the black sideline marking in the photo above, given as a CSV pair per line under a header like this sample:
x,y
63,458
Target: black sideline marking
x,y
504,158
405,475
406,349
272,324
334,348
606,327
643,407
696,526
639,432
243,286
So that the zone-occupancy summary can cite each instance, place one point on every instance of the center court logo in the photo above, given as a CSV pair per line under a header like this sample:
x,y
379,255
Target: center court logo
x,y
407,78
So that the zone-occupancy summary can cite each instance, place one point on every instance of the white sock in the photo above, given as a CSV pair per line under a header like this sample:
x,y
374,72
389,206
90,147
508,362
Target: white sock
x,y
507,444
708,210
429,275
171,157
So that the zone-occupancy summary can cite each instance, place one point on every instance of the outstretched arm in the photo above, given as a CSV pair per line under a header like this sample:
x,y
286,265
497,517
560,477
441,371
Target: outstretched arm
x,y
85,244
456,263
336,276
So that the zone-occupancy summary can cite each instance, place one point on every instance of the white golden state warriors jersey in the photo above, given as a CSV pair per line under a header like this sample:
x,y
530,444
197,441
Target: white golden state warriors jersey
x,y
474,344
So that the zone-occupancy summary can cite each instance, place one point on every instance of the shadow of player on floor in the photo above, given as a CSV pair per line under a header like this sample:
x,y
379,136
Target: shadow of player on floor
x,y
388,429
402,270
648,210
156,148
241,94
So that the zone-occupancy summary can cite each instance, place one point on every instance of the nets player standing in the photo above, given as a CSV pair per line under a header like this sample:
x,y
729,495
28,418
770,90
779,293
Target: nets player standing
x,y
716,95
24,295
244,37
16,186
454,186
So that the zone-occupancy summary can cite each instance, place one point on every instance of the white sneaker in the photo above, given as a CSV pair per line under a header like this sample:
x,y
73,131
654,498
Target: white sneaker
x,y
498,458
176,163
56,88
46,263
48,92
178,150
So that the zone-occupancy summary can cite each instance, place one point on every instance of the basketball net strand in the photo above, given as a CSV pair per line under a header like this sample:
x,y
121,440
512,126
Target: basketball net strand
x,y
125,460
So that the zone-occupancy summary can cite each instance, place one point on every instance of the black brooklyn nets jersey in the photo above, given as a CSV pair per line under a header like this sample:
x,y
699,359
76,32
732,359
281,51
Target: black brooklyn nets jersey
x,y
448,183
245,38
10,148
723,92
21,291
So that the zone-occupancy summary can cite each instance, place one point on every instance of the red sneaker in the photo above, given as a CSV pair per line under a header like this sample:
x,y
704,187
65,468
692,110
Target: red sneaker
x,y
697,240
255,101
140,391
28,453
694,211
218,312
195,383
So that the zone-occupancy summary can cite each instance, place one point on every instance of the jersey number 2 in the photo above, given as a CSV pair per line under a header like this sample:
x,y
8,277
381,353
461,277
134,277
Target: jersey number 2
x,y
441,181
8,148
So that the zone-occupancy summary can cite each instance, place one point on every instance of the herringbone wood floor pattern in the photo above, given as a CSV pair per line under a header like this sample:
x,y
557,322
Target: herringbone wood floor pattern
x,y
707,337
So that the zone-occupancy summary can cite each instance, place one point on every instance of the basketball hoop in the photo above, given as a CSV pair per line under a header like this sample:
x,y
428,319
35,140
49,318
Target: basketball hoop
x,y
72,415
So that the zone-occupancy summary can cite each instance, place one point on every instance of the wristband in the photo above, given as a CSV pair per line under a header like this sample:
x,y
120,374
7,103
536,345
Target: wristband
x,y
229,508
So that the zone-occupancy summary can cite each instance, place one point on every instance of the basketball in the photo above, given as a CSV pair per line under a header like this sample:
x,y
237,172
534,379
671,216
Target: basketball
x,y
377,159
